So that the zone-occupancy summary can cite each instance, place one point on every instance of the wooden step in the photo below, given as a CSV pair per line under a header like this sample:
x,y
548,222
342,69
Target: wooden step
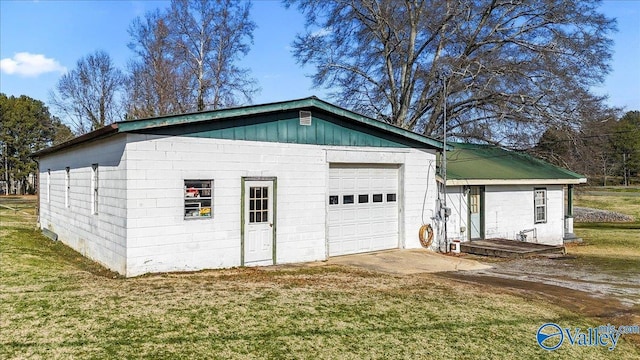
x,y
508,248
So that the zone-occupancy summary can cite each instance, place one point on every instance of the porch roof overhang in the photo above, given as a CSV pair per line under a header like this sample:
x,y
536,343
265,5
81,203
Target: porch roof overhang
x,y
477,164
481,182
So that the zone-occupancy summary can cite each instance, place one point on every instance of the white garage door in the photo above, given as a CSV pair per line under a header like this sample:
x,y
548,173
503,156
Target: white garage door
x,y
363,208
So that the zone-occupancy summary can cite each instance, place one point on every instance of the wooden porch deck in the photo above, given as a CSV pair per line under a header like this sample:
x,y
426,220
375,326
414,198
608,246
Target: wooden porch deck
x,y
508,248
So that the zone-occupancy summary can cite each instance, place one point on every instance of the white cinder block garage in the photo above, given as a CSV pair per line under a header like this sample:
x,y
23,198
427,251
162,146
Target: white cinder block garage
x,y
277,183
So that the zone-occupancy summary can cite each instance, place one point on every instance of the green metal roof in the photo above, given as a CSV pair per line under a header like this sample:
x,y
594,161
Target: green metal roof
x,y
473,164
273,122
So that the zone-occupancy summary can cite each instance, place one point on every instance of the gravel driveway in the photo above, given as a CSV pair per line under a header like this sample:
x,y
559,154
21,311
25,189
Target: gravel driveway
x,y
558,278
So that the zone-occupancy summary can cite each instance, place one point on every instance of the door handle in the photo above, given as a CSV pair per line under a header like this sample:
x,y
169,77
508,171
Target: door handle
x,y
270,225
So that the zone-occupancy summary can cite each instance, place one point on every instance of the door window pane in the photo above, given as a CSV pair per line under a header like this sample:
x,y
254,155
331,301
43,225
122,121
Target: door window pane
x,y
258,204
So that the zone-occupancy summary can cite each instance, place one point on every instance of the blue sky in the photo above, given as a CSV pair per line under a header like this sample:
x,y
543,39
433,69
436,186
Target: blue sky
x,y
40,40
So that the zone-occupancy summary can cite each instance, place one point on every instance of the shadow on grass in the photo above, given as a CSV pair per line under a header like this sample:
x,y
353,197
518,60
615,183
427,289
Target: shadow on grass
x,y
608,225
31,241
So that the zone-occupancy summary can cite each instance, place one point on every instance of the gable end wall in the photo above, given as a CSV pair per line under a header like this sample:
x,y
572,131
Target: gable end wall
x,y
102,236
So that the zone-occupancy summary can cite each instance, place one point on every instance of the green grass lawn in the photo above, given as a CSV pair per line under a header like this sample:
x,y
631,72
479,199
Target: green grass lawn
x,y
54,304
612,247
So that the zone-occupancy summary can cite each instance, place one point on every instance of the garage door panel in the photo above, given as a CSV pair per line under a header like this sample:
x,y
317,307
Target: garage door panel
x,y
364,230
347,216
349,185
334,183
366,221
379,227
379,184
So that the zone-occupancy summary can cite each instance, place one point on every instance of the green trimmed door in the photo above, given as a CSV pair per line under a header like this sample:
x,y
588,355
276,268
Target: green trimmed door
x,y
258,222
476,218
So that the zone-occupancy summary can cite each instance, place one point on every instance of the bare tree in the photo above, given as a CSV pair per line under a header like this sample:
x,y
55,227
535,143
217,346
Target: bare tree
x,y
511,68
186,58
626,145
157,84
211,36
89,95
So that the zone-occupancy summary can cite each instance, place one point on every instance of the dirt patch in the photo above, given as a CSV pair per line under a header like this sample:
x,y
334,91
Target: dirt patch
x,y
610,299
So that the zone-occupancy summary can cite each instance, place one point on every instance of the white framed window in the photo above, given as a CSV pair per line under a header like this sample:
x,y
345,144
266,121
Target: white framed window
x,y
48,185
67,185
540,205
94,189
198,199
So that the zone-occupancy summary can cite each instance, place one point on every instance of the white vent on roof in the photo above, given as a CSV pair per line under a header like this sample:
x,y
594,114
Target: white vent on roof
x,y
305,118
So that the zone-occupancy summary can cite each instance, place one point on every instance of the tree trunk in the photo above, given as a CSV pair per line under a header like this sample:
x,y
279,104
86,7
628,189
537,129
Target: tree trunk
x,y
624,169
604,172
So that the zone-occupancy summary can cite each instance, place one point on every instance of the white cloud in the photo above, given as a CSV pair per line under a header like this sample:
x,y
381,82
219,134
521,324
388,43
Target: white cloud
x,y
27,64
322,32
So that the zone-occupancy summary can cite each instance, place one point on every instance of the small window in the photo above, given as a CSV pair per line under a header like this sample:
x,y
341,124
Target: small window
x,y
198,195
67,185
347,199
391,197
94,189
333,199
364,198
540,205
377,198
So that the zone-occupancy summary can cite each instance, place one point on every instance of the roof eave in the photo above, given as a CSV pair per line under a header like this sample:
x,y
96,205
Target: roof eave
x,y
433,143
306,103
476,182
193,118
101,133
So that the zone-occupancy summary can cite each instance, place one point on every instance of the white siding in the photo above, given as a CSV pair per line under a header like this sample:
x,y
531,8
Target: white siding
x,y
457,227
160,239
420,191
509,210
102,236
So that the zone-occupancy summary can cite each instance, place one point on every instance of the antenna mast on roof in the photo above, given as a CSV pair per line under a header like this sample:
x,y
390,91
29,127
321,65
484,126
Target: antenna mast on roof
x,y
444,159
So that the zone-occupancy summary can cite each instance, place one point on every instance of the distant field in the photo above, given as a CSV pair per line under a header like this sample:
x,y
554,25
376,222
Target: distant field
x,y
55,304
611,246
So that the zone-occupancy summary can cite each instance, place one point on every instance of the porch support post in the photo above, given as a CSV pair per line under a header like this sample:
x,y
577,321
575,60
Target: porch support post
x,y
570,200
569,236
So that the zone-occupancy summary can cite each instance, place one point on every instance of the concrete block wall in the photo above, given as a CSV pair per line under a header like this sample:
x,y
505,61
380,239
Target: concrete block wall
x,y
102,236
160,239
420,193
